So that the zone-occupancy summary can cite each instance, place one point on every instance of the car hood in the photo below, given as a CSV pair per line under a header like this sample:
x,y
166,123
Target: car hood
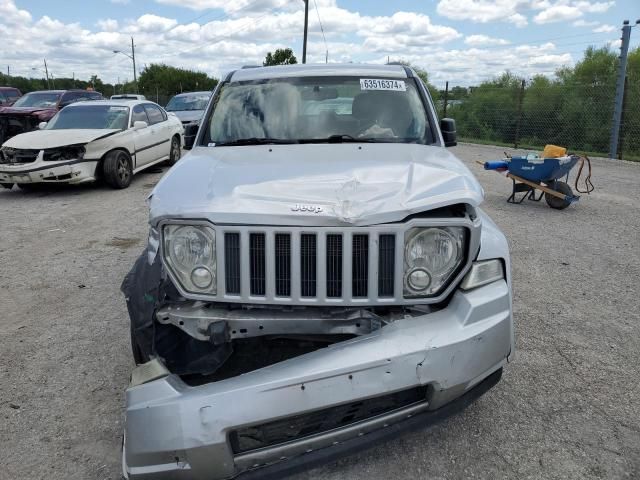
x,y
188,115
343,184
41,139
26,110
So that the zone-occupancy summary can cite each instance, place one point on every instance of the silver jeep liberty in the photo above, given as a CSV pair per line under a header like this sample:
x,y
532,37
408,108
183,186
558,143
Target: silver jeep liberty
x,y
319,276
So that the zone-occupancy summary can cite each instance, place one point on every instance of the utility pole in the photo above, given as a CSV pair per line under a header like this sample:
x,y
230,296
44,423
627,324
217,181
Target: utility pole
x,y
46,71
619,98
133,57
446,99
306,28
519,119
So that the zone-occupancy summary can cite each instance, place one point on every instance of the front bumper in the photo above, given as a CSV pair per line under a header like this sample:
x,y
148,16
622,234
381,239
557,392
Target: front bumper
x,y
66,171
174,431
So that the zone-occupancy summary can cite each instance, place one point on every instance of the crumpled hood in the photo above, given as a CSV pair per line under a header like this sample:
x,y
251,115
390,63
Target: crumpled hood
x,y
337,184
41,139
188,115
25,111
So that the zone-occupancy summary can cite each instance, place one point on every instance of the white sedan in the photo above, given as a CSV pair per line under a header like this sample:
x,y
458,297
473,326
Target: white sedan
x,y
111,139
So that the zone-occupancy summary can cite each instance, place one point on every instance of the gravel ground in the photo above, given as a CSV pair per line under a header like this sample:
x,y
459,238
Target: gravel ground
x,y
566,408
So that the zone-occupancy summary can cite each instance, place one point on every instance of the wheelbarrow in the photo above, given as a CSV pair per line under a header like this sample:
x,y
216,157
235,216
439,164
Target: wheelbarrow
x,y
530,173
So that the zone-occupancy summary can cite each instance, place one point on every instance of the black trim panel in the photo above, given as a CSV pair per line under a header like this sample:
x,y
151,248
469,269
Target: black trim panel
x,y
151,146
323,456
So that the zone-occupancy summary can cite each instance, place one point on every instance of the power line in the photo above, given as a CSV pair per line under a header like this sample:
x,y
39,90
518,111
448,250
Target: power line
x,y
218,38
322,30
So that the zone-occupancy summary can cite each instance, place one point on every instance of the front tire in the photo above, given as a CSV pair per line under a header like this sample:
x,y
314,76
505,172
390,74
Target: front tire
x,y
174,153
117,169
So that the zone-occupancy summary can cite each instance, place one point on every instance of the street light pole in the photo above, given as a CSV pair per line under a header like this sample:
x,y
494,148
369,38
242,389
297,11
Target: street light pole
x,y
133,59
306,27
46,71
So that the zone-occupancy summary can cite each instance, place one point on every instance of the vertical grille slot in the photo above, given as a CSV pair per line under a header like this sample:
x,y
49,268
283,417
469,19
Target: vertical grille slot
x,y
386,265
334,266
360,265
308,274
283,265
232,262
256,263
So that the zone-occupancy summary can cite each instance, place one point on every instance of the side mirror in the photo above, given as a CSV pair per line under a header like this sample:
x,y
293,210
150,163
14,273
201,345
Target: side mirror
x,y
42,125
138,125
190,132
448,129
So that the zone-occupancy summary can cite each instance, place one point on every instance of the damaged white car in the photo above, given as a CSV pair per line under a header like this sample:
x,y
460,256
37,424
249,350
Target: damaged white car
x,y
111,139
319,276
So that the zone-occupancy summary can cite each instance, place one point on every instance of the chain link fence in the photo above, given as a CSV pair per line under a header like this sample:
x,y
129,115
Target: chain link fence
x,y
532,114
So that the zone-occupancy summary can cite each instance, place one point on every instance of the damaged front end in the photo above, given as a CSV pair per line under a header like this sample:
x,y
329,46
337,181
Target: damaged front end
x,y
284,363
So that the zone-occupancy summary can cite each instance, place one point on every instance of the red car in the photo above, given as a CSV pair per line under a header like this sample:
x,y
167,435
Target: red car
x,y
8,95
35,107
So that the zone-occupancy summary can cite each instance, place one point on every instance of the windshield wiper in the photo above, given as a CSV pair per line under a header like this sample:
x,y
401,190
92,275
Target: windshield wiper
x,y
341,138
256,141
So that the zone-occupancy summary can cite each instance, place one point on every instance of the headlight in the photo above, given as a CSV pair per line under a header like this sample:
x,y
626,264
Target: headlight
x,y
432,256
190,253
64,153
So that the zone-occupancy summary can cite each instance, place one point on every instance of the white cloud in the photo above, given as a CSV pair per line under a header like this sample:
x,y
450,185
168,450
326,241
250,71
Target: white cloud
x,y
238,6
108,25
604,29
515,11
483,40
565,10
153,23
219,45
557,13
484,11
584,23
468,67
120,2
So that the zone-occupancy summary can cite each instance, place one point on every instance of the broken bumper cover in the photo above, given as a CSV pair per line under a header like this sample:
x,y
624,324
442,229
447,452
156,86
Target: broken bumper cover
x,y
181,432
40,171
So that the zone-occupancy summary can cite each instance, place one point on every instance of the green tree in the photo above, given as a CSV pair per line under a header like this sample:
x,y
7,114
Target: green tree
x,y
282,56
163,80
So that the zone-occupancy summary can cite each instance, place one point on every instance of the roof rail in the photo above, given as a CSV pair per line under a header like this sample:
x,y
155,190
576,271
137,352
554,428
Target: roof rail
x,y
244,67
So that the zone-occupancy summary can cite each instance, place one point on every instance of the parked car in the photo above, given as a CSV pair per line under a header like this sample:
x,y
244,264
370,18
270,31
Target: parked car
x,y
112,139
316,279
189,107
8,95
128,96
35,107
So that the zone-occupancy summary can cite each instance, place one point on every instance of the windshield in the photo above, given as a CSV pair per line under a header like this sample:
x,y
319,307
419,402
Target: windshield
x,y
319,109
43,99
187,102
90,117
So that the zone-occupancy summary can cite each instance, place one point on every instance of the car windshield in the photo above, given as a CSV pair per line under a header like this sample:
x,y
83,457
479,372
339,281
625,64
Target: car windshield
x,y
90,117
319,109
187,102
40,99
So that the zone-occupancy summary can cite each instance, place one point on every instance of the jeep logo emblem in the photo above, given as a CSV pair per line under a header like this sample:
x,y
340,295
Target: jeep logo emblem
x,y
298,207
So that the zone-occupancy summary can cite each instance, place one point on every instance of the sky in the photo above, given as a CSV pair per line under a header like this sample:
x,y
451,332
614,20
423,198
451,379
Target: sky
x,y
460,41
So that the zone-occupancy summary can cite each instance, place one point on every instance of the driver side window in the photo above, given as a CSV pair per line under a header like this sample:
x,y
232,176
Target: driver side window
x,y
139,115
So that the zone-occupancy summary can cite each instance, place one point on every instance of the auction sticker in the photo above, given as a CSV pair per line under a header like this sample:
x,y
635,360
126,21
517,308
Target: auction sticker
x,y
382,84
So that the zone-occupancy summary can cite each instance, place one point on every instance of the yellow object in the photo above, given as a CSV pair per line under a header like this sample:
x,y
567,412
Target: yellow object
x,y
553,151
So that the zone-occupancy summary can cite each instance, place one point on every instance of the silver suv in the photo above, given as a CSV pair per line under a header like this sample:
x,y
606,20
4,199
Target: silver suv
x,y
319,276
